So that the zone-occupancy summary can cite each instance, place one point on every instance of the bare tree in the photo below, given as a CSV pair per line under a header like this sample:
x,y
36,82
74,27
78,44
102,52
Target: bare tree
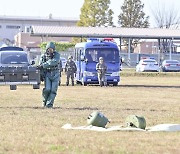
x,y
166,17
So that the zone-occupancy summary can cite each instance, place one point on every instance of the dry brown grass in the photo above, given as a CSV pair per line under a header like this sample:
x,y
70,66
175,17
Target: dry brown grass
x,y
25,127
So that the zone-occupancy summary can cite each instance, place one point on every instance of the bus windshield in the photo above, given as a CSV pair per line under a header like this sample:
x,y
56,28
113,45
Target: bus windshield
x,y
109,54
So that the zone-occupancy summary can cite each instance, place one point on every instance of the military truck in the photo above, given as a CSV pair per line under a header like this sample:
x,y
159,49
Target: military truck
x,y
15,69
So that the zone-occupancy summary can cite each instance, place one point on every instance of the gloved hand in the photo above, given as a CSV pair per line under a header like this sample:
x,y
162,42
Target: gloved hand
x,y
39,67
51,55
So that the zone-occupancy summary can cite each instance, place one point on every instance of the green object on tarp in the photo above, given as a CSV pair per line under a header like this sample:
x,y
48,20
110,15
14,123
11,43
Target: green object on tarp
x,y
97,119
136,121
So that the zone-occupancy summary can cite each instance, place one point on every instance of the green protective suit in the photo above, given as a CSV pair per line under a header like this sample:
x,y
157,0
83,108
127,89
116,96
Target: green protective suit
x,y
50,73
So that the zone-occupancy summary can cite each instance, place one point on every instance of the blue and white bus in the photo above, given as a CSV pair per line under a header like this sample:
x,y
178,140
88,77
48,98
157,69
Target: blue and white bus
x,y
86,56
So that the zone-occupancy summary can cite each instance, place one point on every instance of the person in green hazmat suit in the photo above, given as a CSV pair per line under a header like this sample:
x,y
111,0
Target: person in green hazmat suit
x,y
49,68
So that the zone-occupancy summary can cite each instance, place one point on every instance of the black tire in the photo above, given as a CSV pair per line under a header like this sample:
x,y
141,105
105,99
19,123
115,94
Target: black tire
x,y
84,84
36,86
78,82
115,83
13,87
163,69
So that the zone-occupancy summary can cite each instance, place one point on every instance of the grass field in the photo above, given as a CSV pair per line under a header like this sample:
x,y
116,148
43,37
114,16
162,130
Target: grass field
x,y
26,127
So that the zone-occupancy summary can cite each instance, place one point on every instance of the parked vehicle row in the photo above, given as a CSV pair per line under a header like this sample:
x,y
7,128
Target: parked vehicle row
x,y
170,65
151,65
147,65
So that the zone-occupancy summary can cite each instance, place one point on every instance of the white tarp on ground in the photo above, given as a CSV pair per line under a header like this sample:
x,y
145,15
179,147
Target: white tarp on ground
x,y
160,127
165,127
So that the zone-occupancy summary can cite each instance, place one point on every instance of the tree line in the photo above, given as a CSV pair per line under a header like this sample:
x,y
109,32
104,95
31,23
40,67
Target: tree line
x,y
97,13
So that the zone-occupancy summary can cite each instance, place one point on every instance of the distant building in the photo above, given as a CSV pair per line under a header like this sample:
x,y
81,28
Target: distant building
x,y
25,40
146,47
12,25
152,47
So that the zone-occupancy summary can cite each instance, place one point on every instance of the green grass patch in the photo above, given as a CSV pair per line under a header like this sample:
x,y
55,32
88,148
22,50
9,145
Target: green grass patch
x,y
57,148
132,72
26,127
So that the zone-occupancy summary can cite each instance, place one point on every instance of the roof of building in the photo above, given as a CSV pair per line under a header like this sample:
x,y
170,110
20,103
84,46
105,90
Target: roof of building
x,y
101,32
36,18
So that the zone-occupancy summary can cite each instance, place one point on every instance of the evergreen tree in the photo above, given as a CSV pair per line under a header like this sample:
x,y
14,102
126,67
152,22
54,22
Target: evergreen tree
x,y
110,18
96,13
132,15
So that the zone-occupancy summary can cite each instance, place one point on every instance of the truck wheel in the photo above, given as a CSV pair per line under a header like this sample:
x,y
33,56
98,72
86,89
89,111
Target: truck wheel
x,y
36,86
13,87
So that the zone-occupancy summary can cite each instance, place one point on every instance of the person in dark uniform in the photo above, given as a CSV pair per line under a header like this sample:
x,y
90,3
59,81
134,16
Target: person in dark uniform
x,y
101,70
70,69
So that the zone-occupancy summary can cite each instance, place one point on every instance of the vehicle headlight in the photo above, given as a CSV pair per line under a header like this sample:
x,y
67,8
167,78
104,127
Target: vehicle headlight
x,y
25,77
115,74
86,73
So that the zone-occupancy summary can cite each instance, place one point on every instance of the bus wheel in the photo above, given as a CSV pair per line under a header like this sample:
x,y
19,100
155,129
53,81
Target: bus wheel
x,y
78,82
115,83
84,84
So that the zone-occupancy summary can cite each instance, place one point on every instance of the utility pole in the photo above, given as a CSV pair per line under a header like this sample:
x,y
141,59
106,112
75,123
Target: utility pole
x,y
129,51
170,48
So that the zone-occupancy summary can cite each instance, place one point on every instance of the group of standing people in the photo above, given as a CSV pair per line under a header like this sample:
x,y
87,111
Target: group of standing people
x,y
50,71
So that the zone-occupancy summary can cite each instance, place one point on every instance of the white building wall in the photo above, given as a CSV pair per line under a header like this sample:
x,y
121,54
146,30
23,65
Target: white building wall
x,y
24,22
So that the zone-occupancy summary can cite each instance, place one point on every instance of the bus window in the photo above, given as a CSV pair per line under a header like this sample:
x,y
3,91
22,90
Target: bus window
x,y
91,55
75,54
109,54
79,54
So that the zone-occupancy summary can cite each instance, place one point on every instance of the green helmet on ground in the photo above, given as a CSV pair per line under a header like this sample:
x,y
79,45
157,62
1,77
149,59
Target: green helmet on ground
x,y
50,45
97,119
136,121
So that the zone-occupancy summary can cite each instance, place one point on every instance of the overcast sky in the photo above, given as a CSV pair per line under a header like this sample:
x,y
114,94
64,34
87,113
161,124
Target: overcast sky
x,y
71,8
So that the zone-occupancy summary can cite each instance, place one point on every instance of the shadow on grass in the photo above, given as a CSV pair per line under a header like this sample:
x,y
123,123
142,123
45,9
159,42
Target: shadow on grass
x,y
82,108
78,108
133,109
149,86
20,107
42,108
131,86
